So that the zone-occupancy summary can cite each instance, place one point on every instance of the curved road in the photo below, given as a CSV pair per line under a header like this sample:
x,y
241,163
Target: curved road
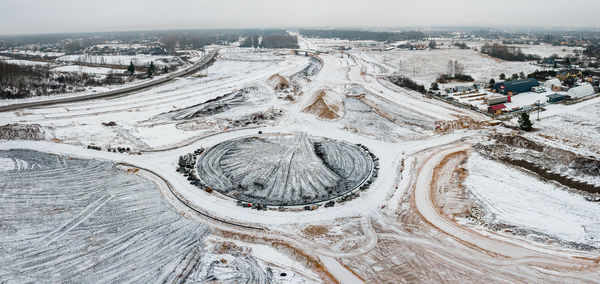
x,y
185,72
496,244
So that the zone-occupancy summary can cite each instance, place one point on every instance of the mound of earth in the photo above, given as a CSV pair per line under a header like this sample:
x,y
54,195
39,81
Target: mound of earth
x,y
278,82
325,105
249,95
284,170
17,131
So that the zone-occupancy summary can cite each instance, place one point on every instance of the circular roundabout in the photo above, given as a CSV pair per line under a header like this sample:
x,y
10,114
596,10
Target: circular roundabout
x,y
286,169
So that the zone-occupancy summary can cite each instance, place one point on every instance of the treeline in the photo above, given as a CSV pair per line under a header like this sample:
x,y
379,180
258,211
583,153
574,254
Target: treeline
x,y
188,41
406,82
461,45
76,42
201,38
10,73
363,35
593,50
506,52
273,41
542,75
26,81
455,72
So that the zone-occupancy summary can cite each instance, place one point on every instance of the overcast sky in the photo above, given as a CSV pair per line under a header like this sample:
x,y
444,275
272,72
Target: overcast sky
x,y
57,16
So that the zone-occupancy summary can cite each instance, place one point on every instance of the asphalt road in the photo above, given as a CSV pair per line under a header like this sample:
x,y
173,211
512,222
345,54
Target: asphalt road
x,y
119,92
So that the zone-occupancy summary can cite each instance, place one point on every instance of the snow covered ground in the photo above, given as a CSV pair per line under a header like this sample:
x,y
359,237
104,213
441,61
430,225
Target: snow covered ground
x,y
236,98
515,198
424,66
27,62
86,69
35,52
576,126
133,113
547,50
138,60
75,224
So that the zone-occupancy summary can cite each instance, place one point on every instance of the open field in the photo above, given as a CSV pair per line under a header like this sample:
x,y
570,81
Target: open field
x,y
77,224
424,66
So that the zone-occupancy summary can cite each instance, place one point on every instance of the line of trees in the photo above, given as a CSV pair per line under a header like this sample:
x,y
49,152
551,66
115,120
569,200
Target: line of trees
x,y
461,45
273,41
455,71
251,41
592,50
406,82
279,41
201,38
363,35
10,73
26,81
506,52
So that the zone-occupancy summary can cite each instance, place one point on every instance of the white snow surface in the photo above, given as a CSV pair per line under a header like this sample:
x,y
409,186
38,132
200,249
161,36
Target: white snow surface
x,y
7,164
26,62
424,66
87,69
516,198
139,59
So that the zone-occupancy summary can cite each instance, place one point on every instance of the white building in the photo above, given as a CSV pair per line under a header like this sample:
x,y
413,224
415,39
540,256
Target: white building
x,y
581,91
552,82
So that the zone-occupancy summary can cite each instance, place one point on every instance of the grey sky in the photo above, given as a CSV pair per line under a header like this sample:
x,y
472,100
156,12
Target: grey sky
x,y
54,16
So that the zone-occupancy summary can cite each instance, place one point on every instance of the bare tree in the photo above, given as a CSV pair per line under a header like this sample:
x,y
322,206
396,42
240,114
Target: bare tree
x,y
450,69
458,68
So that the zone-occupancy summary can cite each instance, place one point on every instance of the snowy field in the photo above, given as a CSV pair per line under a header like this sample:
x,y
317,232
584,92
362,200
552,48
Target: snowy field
x,y
74,224
245,54
576,128
547,50
140,59
134,115
26,62
86,69
515,198
35,53
424,66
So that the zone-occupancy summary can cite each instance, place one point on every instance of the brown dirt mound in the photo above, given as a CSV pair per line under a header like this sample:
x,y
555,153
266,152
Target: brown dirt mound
x,y
322,108
278,82
17,131
463,122
314,230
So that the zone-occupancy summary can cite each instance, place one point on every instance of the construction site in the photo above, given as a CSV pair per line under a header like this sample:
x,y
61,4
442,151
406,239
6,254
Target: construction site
x,y
286,170
298,165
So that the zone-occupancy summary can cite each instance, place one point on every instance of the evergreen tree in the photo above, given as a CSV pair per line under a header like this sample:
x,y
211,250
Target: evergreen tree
x,y
515,76
524,122
131,68
492,83
434,86
165,69
502,76
151,69
432,44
